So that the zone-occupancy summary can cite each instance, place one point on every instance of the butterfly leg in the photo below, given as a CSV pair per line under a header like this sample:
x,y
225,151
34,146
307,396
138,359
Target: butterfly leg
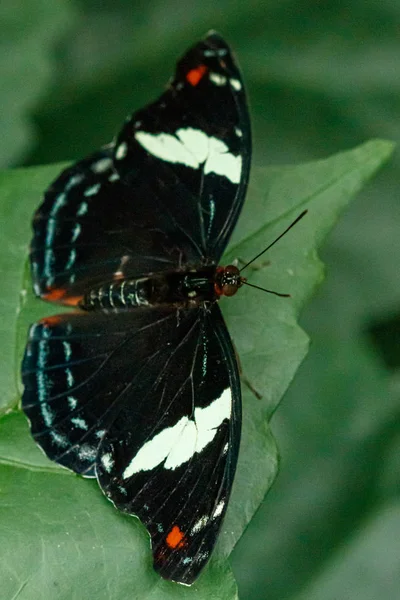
x,y
243,378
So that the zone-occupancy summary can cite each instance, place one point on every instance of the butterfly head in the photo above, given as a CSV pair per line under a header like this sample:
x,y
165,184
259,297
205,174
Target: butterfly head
x,y
228,280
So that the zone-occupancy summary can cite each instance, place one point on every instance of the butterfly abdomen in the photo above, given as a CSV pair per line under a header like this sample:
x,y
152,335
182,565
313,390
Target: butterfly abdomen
x,y
184,289
124,293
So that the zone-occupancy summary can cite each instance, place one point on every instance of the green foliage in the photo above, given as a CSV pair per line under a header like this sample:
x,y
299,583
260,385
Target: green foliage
x,y
28,33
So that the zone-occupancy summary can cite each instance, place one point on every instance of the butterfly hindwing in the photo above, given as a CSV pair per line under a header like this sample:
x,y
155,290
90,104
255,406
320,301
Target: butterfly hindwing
x,y
149,401
77,368
176,470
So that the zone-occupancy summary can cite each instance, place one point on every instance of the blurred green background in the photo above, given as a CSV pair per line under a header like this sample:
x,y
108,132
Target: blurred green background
x,y
322,77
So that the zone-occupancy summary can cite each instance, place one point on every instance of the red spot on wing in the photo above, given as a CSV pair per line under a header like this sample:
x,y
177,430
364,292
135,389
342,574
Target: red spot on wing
x,y
58,295
194,76
51,321
175,538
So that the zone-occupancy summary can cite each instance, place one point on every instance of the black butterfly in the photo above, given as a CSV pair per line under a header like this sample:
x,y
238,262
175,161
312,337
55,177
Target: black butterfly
x,y
140,386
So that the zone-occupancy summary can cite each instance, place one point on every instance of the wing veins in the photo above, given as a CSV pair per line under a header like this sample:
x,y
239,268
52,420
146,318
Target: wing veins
x,y
109,356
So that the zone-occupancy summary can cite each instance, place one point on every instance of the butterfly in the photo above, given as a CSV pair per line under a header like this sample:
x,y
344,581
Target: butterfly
x,y
139,386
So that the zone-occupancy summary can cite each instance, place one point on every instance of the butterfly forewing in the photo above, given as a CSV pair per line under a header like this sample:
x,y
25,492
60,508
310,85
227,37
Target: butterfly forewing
x,y
196,140
146,397
93,229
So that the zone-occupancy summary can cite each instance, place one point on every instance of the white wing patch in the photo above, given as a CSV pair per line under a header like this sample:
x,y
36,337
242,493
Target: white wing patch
x,y
177,444
200,524
235,83
103,164
192,148
93,190
219,509
107,461
218,79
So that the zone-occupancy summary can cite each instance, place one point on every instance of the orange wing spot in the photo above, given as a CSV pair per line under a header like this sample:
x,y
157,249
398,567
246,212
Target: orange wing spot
x,y
50,321
195,75
54,295
73,300
175,538
58,295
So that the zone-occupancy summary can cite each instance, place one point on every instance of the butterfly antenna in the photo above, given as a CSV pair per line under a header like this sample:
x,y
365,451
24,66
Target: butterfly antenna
x,y
270,246
265,290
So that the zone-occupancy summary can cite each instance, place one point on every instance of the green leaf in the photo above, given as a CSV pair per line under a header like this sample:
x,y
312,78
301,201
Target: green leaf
x,y
28,33
57,517
377,572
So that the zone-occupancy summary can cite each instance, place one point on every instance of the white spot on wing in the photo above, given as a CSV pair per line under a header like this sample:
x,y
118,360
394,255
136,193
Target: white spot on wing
x,y
219,52
235,83
82,210
71,259
92,190
49,254
76,232
177,444
195,142
70,377
102,165
80,423
67,350
121,151
47,414
200,524
183,447
192,148
72,402
59,203
155,450
107,461
167,147
59,439
219,509
218,79
221,162
210,418
75,179
87,452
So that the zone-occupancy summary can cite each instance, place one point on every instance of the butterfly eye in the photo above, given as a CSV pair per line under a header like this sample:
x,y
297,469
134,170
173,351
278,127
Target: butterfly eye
x,y
228,280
